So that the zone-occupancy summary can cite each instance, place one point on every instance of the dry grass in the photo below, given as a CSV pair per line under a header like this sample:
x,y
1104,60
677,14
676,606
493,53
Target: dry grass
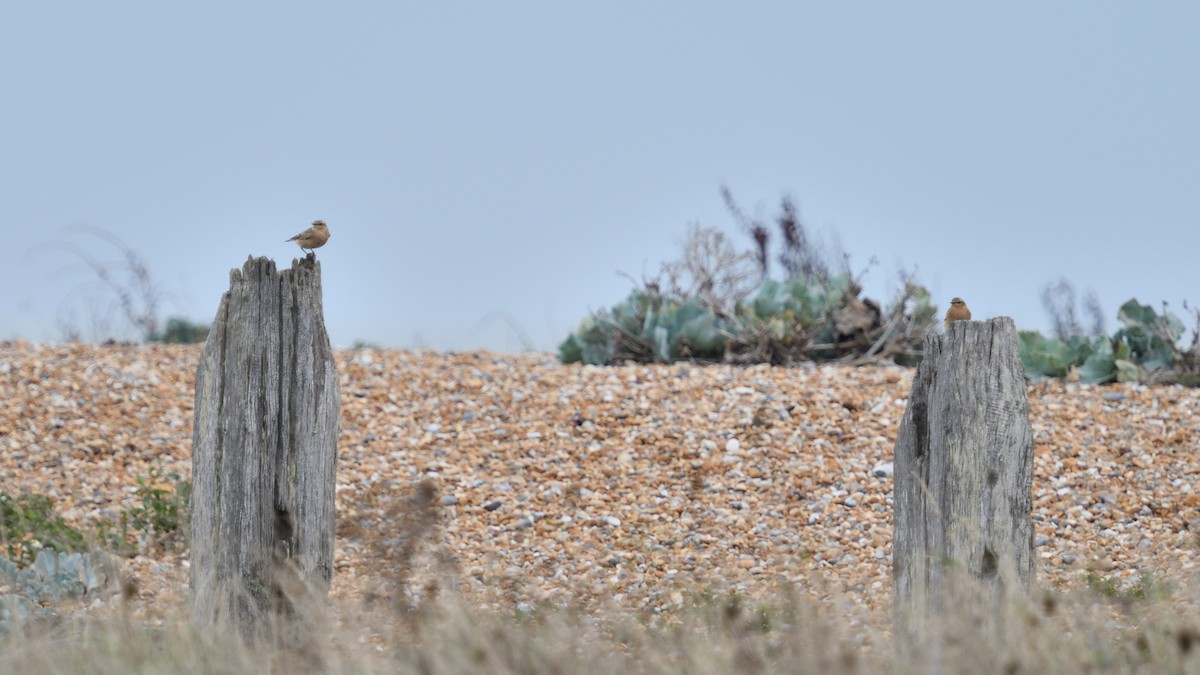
x,y
1150,627
1105,625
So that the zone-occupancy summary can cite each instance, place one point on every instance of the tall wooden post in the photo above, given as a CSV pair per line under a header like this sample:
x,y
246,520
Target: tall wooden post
x,y
963,470
264,448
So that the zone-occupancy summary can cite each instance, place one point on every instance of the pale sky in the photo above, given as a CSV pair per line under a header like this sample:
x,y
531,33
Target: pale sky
x,y
479,160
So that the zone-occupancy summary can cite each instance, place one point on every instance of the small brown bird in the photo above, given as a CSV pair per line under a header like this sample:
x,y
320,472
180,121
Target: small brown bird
x,y
958,311
313,237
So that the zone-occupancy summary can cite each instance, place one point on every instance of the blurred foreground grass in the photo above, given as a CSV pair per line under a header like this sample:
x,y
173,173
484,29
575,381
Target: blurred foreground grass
x,y
1098,627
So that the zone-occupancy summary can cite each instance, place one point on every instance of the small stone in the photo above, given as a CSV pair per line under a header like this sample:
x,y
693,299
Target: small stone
x,y
883,470
469,416
733,446
449,500
850,501
433,428
492,505
523,523
1040,541
612,521
1114,396
1068,559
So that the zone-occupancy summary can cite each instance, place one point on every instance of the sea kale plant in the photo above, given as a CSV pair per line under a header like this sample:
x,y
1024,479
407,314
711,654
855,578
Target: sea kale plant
x,y
1146,348
719,302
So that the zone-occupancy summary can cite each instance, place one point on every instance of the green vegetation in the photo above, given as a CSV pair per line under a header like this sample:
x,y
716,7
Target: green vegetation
x,y
181,331
648,327
158,520
28,524
1145,349
720,303
48,562
45,560
162,510
1146,588
53,578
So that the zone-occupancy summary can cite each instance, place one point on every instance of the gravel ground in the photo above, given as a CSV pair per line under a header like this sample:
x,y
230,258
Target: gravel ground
x,y
638,486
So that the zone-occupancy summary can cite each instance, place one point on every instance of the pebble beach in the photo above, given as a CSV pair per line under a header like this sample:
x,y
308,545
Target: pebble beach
x,y
637,487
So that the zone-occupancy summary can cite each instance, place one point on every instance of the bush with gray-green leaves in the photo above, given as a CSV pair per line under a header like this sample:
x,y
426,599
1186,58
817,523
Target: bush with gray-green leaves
x,y
1145,349
819,317
719,303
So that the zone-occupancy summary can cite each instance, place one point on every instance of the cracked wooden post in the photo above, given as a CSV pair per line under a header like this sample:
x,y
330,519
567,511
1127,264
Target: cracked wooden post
x,y
963,472
264,449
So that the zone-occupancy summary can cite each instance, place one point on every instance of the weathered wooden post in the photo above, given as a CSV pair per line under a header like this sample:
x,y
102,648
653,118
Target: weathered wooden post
x,y
963,471
264,449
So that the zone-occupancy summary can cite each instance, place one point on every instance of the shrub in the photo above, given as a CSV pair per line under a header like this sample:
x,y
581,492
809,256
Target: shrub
x,y
52,577
181,331
713,305
1145,349
647,326
159,519
29,524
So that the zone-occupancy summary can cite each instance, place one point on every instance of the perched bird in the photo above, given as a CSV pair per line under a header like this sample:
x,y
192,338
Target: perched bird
x,y
313,237
958,311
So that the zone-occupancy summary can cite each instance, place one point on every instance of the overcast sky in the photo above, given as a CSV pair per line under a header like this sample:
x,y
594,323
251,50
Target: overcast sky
x,y
489,165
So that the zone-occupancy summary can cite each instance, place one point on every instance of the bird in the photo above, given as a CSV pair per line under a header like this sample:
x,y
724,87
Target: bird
x,y
958,311
313,237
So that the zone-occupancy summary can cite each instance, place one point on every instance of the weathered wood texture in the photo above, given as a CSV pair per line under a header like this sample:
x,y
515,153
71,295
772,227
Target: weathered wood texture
x,y
964,470
264,446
